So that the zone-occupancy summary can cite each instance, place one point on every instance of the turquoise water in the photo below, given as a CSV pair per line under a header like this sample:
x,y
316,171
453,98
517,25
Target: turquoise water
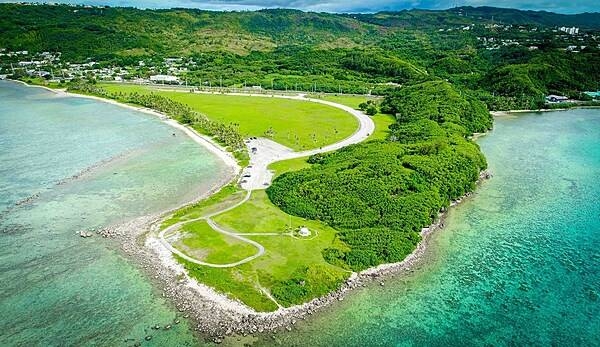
x,y
518,264
57,288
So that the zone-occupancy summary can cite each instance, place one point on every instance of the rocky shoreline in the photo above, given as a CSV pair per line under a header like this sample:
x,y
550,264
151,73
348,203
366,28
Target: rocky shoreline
x,y
215,316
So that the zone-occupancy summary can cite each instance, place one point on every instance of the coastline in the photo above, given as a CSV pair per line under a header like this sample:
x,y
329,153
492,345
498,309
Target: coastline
x,y
511,112
205,141
137,239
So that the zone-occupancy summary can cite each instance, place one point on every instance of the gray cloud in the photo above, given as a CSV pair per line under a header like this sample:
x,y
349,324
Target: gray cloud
x,y
345,5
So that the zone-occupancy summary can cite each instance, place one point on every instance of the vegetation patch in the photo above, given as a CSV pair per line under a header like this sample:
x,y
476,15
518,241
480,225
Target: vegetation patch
x,y
380,194
239,283
224,198
199,241
287,259
382,126
297,124
283,166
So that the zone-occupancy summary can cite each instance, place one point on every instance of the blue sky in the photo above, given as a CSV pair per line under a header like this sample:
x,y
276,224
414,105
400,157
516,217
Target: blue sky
x,y
574,6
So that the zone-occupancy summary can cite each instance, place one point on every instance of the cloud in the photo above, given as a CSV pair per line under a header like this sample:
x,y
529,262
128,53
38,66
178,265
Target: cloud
x,y
345,5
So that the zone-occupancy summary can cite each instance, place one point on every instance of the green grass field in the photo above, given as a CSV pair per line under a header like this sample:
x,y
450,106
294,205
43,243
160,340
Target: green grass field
x,y
297,124
200,241
382,122
240,283
289,165
348,100
227,196
285,255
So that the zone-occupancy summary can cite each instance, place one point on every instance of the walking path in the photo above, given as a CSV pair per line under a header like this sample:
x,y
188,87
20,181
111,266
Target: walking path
x,y
258,176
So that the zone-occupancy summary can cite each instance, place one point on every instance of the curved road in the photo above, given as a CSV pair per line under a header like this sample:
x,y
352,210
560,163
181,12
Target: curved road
x,y
267,153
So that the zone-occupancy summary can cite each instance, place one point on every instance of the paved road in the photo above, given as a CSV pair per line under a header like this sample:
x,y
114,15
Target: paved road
x,y
268,152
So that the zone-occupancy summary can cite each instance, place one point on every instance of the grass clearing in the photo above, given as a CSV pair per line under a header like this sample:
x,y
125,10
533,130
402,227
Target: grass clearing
x,y
200,241
239,283
382,123
259,215
300,125
284,166
292,268
224,198
348,100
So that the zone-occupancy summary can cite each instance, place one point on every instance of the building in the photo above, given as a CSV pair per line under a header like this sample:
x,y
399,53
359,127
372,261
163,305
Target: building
x,y
570,31
164,79
304,232
556,98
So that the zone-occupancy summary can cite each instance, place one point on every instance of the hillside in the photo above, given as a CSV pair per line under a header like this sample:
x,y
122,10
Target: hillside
x,y
467,15
478,49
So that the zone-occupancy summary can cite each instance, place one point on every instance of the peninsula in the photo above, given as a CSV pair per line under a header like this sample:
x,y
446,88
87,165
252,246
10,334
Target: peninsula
x,y
347,138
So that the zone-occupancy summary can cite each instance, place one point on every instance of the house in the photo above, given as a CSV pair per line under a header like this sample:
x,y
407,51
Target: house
x,y
556,98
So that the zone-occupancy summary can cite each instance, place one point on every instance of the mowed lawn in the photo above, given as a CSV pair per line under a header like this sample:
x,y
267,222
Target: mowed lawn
x,y
297,124
284,166
284,255
200,241
382,123
348,100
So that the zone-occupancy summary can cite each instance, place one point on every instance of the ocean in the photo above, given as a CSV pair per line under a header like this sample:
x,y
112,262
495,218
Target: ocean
x,y
518,263
71,164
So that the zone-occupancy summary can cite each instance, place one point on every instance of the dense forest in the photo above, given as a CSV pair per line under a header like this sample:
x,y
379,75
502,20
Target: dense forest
x,y
380,194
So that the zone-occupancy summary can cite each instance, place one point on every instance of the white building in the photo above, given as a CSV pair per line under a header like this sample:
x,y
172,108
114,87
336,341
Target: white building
x,y
304,232
570,31
164,79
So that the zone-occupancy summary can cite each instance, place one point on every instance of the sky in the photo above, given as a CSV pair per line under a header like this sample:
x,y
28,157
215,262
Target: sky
x,y
573,6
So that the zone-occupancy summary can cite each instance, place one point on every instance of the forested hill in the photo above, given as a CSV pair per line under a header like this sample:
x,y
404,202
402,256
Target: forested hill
x,y
507,66
467,15
101,30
